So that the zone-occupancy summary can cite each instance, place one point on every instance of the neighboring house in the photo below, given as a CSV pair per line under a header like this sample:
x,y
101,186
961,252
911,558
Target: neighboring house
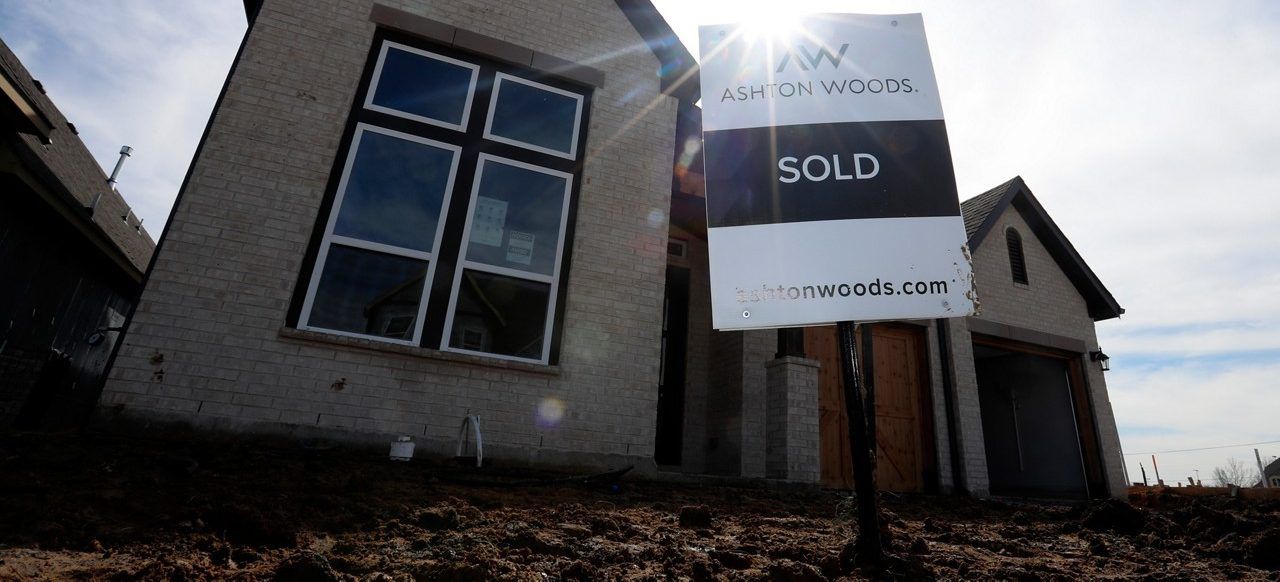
x,y
71,261
1271,474
403,215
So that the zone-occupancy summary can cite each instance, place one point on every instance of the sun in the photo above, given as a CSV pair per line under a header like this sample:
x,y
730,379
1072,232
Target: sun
x,y
767,21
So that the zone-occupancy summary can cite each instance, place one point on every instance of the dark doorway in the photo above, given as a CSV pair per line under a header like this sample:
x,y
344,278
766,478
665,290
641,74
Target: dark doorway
x,y
1029,424
675,340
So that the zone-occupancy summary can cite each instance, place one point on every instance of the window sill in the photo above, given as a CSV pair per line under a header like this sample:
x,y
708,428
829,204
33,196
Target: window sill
x,y
314,337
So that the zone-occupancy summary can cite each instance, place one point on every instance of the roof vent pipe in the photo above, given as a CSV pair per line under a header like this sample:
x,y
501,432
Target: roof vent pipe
x,y
125,151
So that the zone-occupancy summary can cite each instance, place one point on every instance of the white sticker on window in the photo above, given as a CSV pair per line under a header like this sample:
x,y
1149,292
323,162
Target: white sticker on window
x,y
520,247
491,216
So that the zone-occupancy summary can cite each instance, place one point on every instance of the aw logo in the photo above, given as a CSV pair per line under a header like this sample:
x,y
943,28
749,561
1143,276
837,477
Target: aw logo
x,y
805,59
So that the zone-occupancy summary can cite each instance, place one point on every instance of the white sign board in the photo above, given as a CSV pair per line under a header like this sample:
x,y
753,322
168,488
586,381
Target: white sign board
x,y
830,189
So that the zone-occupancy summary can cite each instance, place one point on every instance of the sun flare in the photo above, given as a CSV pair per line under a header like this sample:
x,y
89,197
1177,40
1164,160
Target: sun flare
x,y
768,22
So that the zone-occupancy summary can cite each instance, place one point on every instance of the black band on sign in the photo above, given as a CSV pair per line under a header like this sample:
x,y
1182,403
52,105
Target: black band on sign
x,y
802,173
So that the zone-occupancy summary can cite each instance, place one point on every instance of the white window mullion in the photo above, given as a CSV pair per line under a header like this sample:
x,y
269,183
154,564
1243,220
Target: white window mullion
x,y
551,280
508,272
501,78
347,241
329,238
377,77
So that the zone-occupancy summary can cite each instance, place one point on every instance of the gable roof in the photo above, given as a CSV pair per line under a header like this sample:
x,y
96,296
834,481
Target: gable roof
x,y
679,71
982,211
51,157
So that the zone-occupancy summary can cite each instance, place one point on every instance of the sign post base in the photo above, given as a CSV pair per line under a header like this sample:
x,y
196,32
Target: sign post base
x,y
868,548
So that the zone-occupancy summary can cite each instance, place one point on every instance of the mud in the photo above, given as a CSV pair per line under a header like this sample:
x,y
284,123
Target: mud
x,y
97,507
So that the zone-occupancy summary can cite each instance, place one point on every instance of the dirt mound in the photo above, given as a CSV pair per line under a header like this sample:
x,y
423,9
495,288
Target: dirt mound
x,y
695,516
305,567
1113,515
247,511
1263,550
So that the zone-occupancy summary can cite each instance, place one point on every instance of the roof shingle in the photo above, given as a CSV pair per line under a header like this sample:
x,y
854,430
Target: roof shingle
x,y
976,210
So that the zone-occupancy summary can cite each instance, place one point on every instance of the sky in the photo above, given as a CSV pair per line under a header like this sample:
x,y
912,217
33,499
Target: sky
x,y
1147,129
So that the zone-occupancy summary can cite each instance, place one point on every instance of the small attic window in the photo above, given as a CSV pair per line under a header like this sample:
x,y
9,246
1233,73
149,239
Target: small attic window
x,y
1017,261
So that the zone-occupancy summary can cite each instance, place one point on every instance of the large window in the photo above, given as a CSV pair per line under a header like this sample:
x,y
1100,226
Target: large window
x,y
450,208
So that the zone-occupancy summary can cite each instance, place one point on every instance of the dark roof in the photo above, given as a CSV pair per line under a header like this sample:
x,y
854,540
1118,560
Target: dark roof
x,y
61,164
982,211
977,209
679,71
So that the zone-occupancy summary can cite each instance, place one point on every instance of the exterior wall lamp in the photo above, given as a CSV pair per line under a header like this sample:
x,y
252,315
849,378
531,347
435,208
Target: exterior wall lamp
x,y
1102,359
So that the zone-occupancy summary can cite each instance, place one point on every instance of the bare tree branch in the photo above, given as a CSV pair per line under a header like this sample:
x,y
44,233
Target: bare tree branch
x,y
1236,472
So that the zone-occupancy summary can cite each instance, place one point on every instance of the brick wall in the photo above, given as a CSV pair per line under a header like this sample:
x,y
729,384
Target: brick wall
x,y
207,346
1049,303
969,410
736,401
698,353
724,404
792,431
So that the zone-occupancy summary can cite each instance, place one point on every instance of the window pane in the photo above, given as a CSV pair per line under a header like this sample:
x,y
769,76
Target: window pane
x,y
500,315
395,192
368,293
516,218
424,86
534,116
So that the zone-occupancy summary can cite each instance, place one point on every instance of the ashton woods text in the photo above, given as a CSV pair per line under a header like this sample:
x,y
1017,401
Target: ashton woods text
x,y
875,288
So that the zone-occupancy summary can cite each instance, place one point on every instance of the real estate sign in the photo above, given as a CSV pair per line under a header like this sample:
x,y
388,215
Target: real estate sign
x,y
830,190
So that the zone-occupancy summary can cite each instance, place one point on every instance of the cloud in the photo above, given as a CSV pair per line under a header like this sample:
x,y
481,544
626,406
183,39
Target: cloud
x,y
145,74
1196,402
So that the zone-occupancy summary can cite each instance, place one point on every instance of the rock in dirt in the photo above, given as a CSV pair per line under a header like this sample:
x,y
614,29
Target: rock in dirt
x,y
792,571
439,518
1263,550
731,560
169,570
575,530
249,525
454,572
935,525
305,566
579,570
695,516
1113,515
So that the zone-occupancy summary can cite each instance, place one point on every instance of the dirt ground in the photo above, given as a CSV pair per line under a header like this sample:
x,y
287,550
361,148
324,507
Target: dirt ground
x,y
97,507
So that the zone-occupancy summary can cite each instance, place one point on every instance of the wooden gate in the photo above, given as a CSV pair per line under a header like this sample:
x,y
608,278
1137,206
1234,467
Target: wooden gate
x,y
904,421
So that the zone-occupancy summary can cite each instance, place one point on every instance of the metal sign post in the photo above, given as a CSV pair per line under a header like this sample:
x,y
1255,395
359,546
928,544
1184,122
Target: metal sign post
x,y
869,550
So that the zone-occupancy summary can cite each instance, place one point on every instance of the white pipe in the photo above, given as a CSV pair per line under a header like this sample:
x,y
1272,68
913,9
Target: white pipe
x,y
474,421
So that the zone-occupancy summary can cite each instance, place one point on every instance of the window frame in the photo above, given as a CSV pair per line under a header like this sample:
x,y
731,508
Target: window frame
x,y
499,78
387,45
328,239
438,288
464,264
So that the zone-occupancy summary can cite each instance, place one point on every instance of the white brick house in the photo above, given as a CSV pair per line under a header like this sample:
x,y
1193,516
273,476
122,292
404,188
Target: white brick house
x,y
361,251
